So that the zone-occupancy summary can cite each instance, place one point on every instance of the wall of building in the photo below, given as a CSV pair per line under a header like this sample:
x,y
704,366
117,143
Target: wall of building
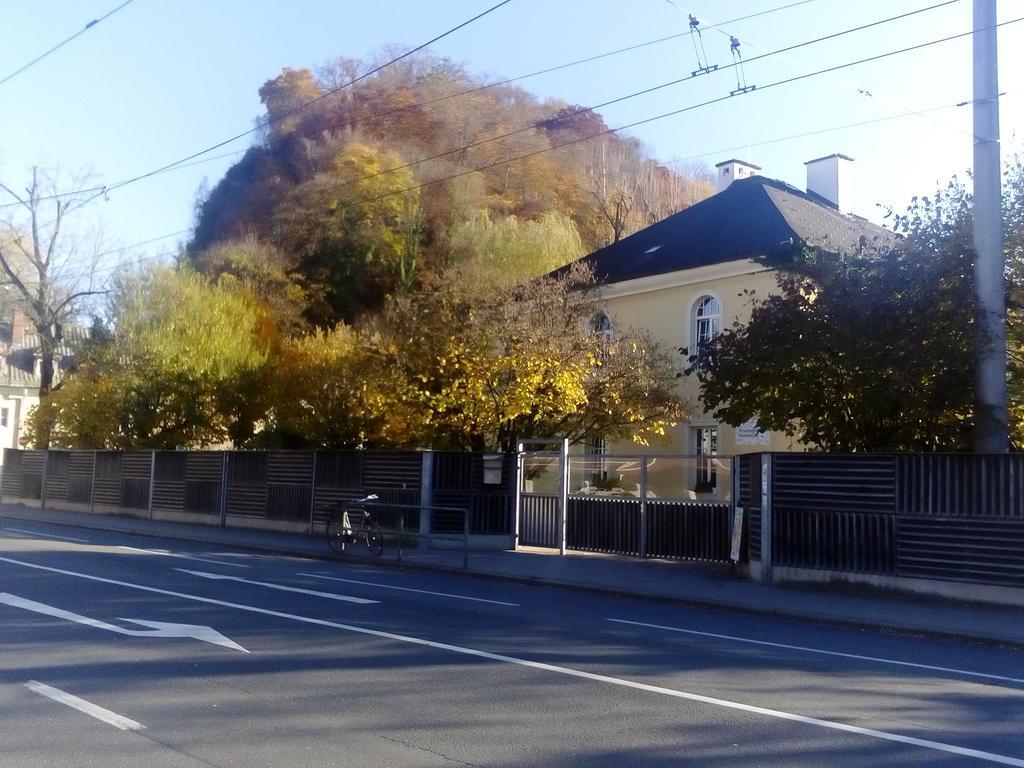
x,y
664,305
14,409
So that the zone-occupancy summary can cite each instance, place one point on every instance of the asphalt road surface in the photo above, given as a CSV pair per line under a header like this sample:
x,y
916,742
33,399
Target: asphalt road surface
x,y
123,651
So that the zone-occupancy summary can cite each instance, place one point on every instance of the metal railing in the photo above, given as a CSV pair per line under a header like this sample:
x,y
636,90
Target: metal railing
x,y
394,525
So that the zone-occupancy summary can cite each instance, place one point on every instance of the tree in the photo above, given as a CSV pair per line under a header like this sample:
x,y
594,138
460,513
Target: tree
x,y
48,266
869,351
267,272
355,230
482,367
186,365
507,252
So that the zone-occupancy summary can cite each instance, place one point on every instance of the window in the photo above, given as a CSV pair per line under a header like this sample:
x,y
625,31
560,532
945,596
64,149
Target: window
x,y
602,326
3,417
707,321
705,446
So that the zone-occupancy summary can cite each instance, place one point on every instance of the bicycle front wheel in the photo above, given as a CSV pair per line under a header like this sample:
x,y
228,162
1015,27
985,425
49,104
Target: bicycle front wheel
x,y
374,540
336,533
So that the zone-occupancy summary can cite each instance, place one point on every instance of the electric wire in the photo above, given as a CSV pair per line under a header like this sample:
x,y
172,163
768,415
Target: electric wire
x,y
270,120
388,113
64,42
719,27
690,108
581,110
675,161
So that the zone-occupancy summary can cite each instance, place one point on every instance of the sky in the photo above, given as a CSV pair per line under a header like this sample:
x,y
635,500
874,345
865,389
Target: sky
x,y
158,81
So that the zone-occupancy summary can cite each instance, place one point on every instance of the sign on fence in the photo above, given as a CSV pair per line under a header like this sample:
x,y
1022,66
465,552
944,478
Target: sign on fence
x,y
737,534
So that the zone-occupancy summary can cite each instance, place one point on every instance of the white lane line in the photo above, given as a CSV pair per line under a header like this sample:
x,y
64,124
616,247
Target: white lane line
x,y
805,649
163,553
93,710
938,746
268,585
45,535
410,589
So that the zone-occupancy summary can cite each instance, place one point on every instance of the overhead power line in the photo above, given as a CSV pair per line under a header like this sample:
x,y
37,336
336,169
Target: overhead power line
x,y
635,94
676,161
673,113
277,118
64,42
465,92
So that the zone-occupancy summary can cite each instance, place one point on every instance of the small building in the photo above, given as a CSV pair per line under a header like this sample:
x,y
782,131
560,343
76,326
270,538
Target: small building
x,y
688,276
20,363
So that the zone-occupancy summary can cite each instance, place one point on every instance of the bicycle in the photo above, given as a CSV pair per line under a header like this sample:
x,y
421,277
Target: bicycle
x,y
353,523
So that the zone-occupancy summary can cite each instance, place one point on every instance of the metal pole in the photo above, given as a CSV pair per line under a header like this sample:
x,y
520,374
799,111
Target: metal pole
x,y
42,487
152,478
465,543
991,431
401,532
92,488
519,495
766,518
426,523
224,490
643,506
312,498
563,512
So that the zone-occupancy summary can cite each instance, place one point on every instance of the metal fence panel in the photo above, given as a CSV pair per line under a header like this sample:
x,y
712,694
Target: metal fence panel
x,y
538,520
988,551
689,531
962,485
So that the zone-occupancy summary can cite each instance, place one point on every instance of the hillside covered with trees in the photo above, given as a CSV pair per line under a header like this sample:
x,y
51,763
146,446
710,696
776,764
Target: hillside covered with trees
x,y
371,273
382,183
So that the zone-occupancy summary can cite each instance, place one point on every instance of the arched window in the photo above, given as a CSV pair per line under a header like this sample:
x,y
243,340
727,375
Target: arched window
x,y
706,322
602,326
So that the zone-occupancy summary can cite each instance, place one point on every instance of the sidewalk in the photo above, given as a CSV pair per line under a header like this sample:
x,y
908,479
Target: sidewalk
x,y
686,583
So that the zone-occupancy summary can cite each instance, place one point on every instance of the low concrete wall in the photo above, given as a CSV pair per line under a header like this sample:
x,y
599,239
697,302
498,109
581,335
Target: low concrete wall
x,y
953,590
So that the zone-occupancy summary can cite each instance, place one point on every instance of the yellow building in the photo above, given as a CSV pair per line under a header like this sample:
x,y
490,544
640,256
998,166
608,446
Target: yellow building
x,y
690,275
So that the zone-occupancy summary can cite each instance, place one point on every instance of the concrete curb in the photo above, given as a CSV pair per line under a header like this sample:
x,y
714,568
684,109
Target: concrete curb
x,y
852,622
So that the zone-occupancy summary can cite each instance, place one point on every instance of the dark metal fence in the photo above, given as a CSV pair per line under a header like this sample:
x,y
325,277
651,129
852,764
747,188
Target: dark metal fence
x,y
283,490
957,517
642,506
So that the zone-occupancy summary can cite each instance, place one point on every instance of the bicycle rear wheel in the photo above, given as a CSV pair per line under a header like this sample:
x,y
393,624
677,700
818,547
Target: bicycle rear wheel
x,y
374,539
336,533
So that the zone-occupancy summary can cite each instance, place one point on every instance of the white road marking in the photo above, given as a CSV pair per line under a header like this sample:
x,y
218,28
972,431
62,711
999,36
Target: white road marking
x,y
163,553
938,746
268,585
929,667
156,628
93,710
410,589
45,535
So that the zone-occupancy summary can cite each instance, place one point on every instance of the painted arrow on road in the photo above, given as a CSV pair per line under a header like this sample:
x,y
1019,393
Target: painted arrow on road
x,y
156,628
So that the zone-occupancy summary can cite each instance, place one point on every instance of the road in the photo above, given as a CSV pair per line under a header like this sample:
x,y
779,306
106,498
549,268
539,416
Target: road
x,y
121,650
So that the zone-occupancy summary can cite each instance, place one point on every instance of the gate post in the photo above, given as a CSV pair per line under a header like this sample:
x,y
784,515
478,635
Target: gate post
x,y
563,492
92,488
519,496
223,501
426,496
152,479
766,518
643,506
312,497
42,487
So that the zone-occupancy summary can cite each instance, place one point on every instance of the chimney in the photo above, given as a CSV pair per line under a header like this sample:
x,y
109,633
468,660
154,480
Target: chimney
x,y
19,324
830,177
731,170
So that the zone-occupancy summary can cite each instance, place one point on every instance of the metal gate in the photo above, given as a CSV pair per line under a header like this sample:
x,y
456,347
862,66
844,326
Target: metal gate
x,y
678,507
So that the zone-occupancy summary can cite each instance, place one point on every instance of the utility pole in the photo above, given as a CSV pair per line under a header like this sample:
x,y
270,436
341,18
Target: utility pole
x,y
991,429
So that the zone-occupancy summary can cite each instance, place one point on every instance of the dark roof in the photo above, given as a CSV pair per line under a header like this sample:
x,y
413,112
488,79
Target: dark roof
x,y
751,217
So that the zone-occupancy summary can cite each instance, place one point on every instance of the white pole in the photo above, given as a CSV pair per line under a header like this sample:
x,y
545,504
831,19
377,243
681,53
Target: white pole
x,y
991,431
